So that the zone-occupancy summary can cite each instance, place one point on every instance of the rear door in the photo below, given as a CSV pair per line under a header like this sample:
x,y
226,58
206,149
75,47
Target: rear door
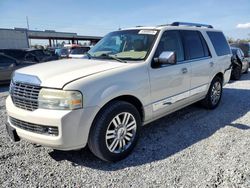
x,y
198,55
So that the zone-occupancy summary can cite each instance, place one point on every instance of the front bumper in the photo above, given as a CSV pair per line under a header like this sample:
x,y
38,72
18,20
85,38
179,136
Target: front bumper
x,y
73,125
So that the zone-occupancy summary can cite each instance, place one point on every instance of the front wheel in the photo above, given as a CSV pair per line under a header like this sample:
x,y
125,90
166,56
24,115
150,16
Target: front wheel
x,y
115,131
214,94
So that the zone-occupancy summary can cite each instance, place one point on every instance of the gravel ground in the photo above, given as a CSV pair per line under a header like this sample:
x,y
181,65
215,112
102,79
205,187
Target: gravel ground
x,y
193,147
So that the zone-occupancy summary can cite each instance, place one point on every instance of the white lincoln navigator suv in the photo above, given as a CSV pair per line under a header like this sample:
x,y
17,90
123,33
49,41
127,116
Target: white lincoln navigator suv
x,y
128,79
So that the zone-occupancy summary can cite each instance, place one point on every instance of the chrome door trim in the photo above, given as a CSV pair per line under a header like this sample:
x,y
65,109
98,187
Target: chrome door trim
x,y
176,98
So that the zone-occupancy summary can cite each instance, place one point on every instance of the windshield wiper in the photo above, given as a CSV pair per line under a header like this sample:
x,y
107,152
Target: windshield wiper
x,y
113,57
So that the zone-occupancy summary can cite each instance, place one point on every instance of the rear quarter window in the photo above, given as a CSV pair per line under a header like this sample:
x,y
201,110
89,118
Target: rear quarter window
x,y
219,42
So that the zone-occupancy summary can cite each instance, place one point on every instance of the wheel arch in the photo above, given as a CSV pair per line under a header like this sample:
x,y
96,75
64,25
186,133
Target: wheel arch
x,y
130,99
220,75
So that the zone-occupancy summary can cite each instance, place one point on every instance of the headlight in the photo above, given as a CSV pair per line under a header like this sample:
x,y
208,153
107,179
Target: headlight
x,y
59,99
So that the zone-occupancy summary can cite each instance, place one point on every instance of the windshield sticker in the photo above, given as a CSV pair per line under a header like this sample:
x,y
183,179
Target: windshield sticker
x,y
147,32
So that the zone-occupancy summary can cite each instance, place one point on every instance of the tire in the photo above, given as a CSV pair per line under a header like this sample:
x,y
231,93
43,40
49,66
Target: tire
x,y
215,89
111,140
236,72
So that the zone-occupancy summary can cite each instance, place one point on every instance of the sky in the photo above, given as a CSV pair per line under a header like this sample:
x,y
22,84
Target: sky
x,y
98,17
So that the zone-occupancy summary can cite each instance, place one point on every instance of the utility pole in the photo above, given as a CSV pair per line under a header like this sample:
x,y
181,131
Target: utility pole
x,y
27,20
28,27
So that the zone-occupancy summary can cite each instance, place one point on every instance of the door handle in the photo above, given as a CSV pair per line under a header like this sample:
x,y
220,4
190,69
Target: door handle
x,y
211,64
184,70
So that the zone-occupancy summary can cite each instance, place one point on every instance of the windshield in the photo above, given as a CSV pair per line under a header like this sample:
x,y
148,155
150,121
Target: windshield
x,y
126,45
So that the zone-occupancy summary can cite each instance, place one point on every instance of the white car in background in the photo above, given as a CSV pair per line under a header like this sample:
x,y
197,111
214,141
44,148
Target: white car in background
x,y
78,52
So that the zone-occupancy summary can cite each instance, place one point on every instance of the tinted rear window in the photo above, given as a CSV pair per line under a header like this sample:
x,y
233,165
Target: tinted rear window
x,y
219,42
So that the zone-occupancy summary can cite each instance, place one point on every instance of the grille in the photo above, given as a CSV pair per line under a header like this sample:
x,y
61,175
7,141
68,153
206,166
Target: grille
x,y
40,129
24,96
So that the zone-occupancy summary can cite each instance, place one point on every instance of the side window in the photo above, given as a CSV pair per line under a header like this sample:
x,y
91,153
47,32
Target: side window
x,y
171,41
5,61
219,42
193,45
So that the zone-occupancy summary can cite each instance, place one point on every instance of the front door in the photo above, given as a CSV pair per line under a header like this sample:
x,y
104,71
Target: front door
x,y
170,84
199,56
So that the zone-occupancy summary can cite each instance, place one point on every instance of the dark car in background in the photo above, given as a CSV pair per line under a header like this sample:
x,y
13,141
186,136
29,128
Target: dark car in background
x,y
19,54
33,55
239,63
43,55
245,47
62,52
9,64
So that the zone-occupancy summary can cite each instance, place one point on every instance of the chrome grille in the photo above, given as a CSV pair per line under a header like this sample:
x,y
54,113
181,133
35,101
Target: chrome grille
x,y
24,96
36,128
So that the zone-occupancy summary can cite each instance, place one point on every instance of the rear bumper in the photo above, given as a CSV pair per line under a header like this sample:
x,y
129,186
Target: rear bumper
x,y
73,126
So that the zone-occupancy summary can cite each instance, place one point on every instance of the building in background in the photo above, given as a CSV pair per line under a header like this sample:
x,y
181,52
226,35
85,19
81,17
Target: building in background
x,y
13,38
20,38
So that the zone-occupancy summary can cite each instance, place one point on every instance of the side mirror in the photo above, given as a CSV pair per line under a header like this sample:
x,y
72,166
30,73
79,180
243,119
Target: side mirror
x,y
167,57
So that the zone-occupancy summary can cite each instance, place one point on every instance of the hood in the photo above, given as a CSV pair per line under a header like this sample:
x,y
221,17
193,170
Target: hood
x,y
56,74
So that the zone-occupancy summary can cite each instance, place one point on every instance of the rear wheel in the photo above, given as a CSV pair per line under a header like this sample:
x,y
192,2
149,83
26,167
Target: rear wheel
x,y
114,132
214,94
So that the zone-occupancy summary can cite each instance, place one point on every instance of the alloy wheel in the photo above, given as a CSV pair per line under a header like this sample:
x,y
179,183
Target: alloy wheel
x,y
121,132
216,93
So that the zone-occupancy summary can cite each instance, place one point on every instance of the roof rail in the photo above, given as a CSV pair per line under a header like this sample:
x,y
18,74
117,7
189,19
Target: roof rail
x,y
163,25
191,24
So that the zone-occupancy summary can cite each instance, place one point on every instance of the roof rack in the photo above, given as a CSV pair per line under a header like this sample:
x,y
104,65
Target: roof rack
x,y
191,24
